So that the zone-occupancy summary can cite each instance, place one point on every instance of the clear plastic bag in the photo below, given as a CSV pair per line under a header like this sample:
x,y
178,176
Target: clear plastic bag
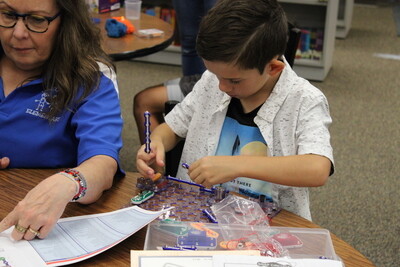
x,y
256,233
237,210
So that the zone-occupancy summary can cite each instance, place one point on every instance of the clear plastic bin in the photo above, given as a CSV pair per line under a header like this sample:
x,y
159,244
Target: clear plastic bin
x,y
299,242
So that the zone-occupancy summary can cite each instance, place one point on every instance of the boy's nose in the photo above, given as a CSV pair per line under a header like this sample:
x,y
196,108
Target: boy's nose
x,y
225,86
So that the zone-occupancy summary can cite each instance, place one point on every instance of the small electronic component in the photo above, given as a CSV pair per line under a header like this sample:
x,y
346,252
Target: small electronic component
x,y
201,226
142,197
288,240
173,227
198,239
178,248
210,215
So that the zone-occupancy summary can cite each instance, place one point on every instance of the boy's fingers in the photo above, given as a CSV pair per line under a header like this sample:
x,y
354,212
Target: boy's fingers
x,y
160,157
143,168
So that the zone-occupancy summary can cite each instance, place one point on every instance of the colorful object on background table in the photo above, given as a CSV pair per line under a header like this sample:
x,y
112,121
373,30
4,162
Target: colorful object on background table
x,y
150,33
96,20
115,28
129,26
142,197
147,132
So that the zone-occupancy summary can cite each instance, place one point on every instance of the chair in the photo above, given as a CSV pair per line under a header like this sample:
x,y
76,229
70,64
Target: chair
x,y
173,156
292,44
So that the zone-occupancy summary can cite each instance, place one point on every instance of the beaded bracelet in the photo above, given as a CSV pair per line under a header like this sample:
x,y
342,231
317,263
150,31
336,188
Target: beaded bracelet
x,y
81,182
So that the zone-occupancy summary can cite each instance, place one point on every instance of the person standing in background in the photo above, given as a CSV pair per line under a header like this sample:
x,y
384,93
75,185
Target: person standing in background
x,y
189,14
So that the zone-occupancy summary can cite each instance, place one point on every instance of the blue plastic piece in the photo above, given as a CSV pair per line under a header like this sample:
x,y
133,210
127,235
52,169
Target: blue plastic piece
x,y
197,238
115,28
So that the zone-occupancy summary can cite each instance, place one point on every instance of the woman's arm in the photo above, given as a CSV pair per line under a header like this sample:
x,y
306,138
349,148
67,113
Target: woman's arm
x,y
45,203
99,172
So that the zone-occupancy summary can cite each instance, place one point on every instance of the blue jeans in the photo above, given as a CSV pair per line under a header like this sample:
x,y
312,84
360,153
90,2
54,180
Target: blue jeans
x,y
189,14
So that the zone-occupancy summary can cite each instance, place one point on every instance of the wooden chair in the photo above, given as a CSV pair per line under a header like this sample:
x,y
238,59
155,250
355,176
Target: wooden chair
x,y
173,156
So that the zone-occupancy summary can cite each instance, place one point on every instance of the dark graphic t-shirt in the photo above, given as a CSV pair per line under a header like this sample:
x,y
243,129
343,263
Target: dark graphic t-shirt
x,y
241,136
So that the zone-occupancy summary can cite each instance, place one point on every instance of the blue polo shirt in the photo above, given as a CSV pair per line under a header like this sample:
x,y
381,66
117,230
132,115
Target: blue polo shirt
x,y
30,141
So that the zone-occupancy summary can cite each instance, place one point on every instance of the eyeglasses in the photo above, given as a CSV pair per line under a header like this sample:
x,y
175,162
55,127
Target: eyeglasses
x,y
34,23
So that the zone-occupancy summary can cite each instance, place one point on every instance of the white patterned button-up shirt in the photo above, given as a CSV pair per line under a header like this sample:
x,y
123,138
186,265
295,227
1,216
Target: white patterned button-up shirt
x,y
294,120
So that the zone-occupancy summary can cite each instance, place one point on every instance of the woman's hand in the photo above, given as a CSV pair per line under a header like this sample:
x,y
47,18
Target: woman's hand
x,y
39,211
4,162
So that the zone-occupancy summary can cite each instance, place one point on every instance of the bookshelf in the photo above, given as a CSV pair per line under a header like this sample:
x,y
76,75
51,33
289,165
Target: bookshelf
x,y
345,16
317,19
305,14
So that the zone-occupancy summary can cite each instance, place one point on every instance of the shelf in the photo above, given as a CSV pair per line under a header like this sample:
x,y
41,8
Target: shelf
x,y
314,16
171,55
306,14
305,2
345,16
309,62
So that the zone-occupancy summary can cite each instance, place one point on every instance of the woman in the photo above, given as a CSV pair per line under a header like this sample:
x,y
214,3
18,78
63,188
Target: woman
x,y
59,107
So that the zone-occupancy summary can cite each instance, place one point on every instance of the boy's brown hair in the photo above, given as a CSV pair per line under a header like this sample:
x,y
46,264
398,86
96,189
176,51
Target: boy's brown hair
x,y
248,33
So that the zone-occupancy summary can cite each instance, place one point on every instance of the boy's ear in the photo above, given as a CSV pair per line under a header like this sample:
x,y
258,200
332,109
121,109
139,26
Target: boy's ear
x,y
275,67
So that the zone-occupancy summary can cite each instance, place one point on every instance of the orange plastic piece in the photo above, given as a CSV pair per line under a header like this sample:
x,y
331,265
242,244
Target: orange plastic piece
x,y
237,245
156,176
200,226
129,26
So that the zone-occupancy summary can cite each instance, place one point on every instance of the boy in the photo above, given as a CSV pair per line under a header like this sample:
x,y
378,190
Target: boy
x,y
250,123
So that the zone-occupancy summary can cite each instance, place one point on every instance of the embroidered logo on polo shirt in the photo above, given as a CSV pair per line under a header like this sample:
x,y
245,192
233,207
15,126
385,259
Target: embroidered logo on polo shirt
x,y
41,104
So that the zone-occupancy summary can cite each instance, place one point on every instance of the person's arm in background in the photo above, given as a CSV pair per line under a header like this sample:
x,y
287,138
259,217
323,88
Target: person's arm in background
x,y
44,204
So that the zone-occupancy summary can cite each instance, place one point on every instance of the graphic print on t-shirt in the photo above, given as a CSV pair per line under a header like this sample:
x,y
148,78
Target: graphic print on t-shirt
x,y
243,138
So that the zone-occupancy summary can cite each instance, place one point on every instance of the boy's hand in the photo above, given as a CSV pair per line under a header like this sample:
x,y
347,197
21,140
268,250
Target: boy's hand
x,y
212,170
148,164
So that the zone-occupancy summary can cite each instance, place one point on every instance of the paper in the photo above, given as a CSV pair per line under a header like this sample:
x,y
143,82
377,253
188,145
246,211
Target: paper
x,y
78,238
11,251
170,258
257,261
